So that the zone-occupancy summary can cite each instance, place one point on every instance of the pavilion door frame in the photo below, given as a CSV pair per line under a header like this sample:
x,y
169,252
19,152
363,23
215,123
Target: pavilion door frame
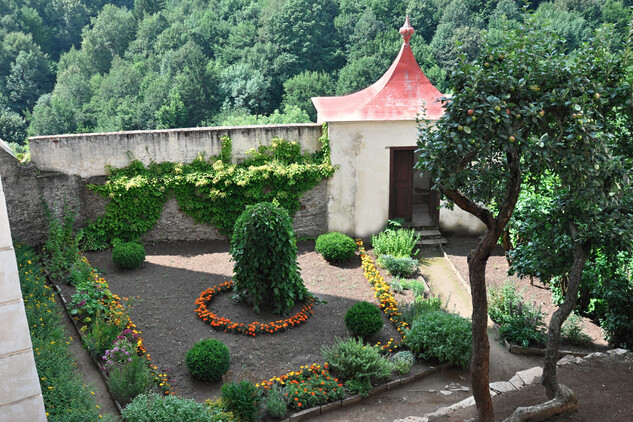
x,y
433,198
392,181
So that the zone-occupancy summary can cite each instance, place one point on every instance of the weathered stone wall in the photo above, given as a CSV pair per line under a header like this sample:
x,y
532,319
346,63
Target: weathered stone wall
x,y
87,155
57,173
20,393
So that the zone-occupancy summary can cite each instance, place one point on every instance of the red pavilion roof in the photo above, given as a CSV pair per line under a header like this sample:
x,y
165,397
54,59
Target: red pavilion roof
x,y
398,95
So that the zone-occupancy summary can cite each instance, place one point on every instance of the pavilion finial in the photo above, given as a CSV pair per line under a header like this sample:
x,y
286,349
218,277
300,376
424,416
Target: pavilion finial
x,y
406,31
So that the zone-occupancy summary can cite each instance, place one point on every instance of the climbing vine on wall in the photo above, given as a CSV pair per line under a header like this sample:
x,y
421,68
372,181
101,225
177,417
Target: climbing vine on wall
x,y
212,191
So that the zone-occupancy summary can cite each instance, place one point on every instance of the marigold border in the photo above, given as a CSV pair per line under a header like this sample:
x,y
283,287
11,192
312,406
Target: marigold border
x,y
382,292
254,328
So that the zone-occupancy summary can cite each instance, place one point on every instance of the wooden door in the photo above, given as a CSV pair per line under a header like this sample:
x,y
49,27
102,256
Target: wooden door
x,y
401,184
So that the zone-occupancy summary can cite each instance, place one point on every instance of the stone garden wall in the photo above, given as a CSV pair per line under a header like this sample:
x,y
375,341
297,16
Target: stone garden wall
x,y
63,165
20,394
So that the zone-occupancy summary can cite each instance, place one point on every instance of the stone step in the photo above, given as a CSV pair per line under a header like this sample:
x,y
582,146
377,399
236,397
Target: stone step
x,y
429,233
428,242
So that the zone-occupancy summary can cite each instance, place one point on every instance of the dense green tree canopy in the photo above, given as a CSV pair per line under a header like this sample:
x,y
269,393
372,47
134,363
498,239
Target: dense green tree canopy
x,y
186,62
528,110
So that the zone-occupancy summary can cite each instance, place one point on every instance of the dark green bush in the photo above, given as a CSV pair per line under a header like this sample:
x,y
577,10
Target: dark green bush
x,y
128,255
208,360
264,249
335,247
363,320
242,399
441,336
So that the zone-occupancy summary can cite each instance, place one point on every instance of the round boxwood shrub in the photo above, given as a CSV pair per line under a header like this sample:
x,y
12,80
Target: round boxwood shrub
x,y
363,320
264,249
208,360
335,247
128,255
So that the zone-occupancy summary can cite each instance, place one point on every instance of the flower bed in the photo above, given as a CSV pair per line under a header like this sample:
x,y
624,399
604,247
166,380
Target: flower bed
x,y
252,329
385,296
94,297
308,387
63,390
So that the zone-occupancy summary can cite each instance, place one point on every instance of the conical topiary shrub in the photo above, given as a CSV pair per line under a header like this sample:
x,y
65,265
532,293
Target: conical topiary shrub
x,y
264,249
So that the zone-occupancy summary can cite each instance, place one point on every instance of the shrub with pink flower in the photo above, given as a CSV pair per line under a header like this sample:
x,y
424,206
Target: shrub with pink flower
x,y
122,352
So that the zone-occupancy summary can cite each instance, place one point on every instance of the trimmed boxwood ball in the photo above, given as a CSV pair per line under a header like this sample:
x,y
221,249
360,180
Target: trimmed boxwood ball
x,y
335,247
363,320
128,255
208,360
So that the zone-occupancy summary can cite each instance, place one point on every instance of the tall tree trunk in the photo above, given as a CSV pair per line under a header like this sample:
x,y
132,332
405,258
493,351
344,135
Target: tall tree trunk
x,y
480,362
550,380
477,260
562,399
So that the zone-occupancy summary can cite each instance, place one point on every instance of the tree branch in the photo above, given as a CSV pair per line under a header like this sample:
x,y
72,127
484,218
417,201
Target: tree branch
x,y
470,206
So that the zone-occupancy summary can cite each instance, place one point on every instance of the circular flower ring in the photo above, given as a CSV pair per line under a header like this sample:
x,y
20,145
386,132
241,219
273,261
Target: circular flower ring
x,y
252,329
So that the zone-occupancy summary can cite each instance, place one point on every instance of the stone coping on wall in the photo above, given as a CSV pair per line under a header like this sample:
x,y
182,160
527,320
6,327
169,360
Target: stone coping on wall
x,y
188,129
89,154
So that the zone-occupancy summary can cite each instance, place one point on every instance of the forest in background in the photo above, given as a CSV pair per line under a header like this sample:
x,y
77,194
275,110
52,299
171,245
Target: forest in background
x,y
69,66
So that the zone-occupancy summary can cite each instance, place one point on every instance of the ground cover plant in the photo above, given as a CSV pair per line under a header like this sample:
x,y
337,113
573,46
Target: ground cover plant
x,y
156,408
66,397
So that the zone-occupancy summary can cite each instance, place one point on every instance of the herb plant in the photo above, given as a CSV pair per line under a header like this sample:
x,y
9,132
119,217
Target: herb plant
x,y
441,336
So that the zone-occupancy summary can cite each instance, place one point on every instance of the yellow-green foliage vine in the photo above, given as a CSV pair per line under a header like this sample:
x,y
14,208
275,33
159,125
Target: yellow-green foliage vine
x,y
212,191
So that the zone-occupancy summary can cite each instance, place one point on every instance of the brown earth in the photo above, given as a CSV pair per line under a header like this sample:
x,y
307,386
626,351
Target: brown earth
x,y
533,290
174,274
603,387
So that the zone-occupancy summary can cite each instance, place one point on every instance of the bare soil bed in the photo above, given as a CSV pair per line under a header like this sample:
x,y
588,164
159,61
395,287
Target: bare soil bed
x,y
602,386
497,274
174,275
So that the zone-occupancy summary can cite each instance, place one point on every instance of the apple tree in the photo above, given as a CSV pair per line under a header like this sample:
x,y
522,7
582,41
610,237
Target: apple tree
x,y
523,108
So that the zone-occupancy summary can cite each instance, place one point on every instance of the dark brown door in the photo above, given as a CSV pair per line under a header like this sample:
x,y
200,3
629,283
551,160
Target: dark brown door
x,y
401,184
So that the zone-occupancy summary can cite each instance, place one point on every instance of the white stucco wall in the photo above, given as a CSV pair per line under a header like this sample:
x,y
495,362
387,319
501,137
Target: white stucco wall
x,y
20,394
86,155
459,221
358,193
